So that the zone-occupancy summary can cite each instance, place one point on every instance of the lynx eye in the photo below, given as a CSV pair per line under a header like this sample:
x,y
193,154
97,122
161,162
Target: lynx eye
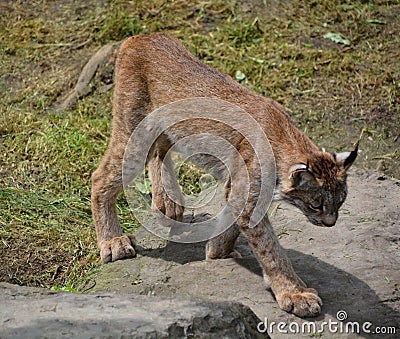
x,y
316,207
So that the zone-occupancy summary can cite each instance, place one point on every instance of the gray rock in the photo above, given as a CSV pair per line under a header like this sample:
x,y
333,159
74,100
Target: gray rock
x,y
38,313
354,265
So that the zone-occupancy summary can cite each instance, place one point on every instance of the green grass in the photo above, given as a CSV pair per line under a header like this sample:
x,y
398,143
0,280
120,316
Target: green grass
x,y
333,92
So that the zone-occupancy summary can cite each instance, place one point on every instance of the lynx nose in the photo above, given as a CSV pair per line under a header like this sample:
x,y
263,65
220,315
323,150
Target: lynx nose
x,y
329,220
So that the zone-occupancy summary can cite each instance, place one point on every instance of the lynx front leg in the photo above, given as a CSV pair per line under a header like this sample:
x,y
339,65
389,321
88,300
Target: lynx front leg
x,y
290,291
106,185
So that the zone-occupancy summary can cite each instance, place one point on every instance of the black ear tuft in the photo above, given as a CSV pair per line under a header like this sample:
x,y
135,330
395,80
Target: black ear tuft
x,y
345,159
352,157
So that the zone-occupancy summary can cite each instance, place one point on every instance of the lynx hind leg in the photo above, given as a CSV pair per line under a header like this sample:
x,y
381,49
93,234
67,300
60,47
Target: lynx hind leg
x,y
223,245
166,193
106,185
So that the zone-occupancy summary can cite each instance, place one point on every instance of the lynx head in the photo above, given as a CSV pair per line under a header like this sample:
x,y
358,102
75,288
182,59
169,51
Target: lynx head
x,y
318,188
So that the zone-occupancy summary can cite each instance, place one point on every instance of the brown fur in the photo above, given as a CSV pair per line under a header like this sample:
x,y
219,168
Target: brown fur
x,y
155,70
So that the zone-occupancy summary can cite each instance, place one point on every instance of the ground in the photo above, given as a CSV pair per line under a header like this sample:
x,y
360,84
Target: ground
x,y
354,265
280,49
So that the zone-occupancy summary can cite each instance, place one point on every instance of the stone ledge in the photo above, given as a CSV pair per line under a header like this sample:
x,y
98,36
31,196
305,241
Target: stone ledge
x,y
27,312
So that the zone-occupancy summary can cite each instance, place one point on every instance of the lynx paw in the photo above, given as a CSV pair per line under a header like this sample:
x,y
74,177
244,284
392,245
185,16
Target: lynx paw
x,y
234,254
305,303
169,208
117,248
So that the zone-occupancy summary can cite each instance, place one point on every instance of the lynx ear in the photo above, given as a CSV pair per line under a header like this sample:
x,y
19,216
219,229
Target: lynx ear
x,y
345,159
300,175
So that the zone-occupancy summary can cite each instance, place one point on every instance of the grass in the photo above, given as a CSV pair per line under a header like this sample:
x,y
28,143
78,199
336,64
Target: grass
x,y
332,90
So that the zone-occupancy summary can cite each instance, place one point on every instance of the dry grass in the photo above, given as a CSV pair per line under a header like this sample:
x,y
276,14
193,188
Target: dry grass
x,y
333,91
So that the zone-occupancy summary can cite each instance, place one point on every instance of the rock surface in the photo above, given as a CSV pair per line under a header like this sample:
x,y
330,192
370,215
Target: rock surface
x,y
354,265
38,313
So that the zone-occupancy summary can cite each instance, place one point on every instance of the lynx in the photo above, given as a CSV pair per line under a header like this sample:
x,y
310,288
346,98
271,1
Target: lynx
x,y
155,70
